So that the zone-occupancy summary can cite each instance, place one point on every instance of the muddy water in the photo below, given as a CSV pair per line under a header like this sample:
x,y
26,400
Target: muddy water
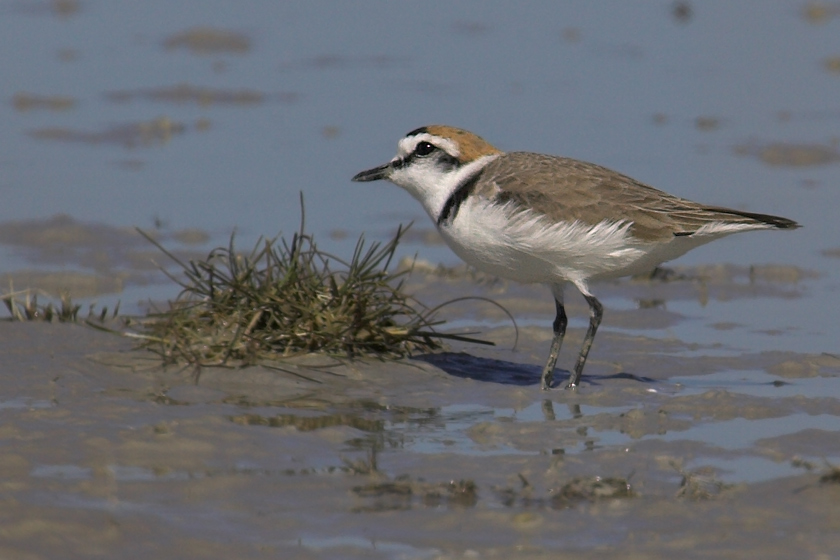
x,y
669,449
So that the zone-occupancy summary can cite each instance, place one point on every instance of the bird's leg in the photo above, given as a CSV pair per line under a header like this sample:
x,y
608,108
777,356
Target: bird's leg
x,y
560,322
596,311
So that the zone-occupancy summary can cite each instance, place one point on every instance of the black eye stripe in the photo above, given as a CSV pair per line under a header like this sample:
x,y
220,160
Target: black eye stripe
x,y
448,162
423,150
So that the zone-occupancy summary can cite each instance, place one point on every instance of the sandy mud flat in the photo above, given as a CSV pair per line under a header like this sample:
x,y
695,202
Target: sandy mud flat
x,y
669,449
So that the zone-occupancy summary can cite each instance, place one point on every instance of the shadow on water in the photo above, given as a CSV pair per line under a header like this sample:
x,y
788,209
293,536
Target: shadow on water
x,y
594,379
460,364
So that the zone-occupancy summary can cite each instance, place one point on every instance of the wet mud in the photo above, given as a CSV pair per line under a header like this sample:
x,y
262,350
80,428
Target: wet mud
x,y
669,448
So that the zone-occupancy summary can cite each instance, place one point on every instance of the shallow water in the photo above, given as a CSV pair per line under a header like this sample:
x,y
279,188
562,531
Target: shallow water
x,y
194,119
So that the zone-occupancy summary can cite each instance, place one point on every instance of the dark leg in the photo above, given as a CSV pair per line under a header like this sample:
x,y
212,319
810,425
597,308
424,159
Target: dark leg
x,y
596,311
560,323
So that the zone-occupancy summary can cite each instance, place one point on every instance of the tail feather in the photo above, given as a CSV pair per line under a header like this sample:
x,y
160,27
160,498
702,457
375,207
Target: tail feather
x,y
776,221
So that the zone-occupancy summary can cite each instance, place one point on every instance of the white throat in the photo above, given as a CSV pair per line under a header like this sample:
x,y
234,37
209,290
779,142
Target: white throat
x,y
433,188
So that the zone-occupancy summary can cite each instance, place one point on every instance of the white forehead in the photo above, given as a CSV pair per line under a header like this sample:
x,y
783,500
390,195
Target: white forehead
x,y
407,144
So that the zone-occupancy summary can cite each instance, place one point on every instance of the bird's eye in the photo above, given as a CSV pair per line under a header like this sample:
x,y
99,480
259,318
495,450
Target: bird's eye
x,y
424,149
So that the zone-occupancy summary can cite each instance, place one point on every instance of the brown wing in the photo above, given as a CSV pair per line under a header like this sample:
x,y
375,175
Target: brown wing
x,y
567,189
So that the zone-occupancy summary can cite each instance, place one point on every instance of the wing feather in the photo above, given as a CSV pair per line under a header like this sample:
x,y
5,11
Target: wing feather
x,y
565,189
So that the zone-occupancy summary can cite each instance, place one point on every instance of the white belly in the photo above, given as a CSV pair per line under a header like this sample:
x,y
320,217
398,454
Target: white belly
x,y
528,248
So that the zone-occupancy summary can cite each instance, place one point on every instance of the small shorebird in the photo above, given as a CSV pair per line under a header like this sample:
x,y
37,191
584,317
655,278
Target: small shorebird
x,y
537,218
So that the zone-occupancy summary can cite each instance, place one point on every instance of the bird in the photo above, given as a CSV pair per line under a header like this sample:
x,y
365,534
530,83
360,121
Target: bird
x,y
535,218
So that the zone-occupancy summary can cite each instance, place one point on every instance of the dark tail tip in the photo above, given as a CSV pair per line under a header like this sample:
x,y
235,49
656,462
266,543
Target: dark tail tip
x,y
783,223
776,221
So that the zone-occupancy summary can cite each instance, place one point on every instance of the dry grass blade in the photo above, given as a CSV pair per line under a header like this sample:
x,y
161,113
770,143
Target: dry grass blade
x,y
287,298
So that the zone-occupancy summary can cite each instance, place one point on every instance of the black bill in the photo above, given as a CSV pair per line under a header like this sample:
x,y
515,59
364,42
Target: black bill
x,y
374,174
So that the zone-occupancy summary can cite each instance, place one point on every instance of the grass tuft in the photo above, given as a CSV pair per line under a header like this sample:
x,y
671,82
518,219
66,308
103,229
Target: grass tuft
x,y
288,298
23,306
